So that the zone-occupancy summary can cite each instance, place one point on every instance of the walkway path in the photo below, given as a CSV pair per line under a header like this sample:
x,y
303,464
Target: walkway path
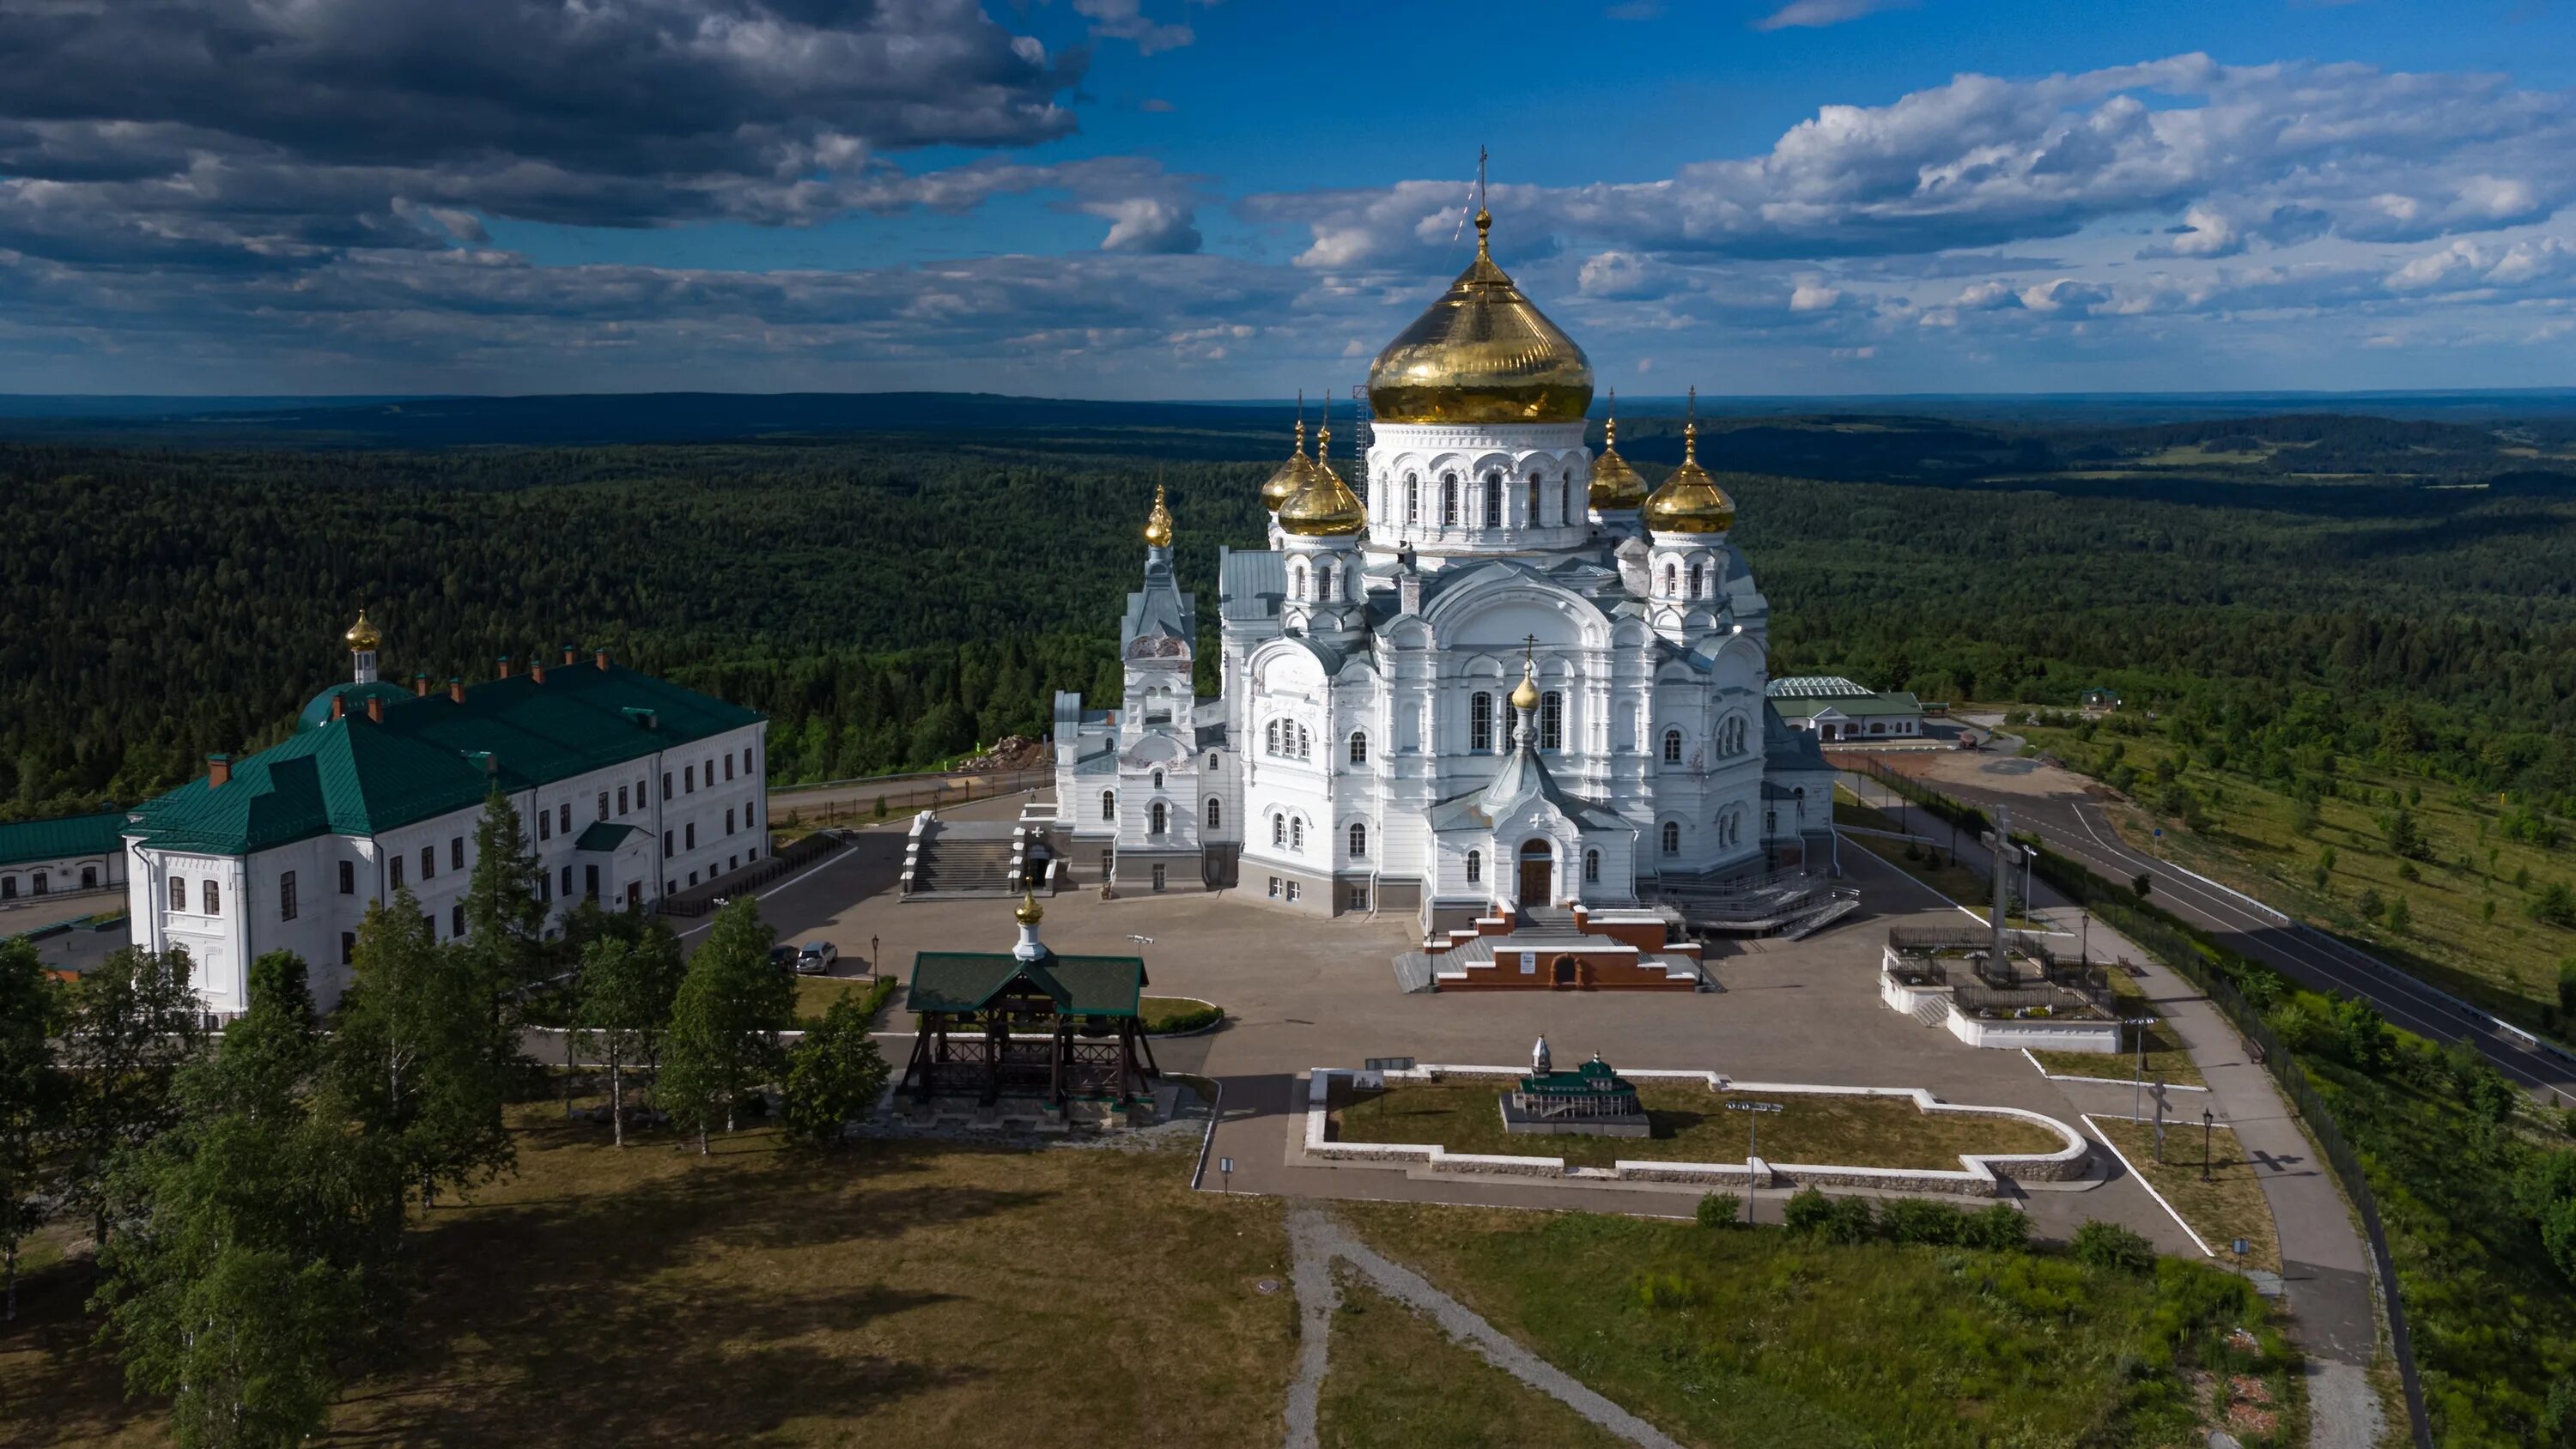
x,y
1315,1240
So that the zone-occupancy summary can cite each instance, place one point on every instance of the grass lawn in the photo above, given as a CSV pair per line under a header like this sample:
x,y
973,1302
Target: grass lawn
x,y
1760,1338
1691,1124
2166,1056
900,1293
1953,881
815,994
1177,1013
1395,1380
2499,957
2229,1206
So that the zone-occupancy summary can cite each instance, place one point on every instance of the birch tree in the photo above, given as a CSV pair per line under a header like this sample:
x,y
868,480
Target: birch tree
x,y
629,981
419,1056
725,1022
128,1025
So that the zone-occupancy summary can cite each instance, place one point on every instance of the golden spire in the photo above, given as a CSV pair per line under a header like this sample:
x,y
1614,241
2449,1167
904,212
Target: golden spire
x,y
362,635
1615,485
1325,507
1158,524
1690,501
1028,912
1291,475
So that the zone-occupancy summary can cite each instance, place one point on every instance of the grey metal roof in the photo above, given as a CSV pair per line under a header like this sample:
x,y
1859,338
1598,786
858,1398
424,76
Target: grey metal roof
x,y
1522,775
1786,749
1251,583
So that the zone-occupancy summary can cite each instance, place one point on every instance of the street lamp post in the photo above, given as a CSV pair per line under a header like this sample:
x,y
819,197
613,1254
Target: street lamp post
x,y
1752,1138
2206,1119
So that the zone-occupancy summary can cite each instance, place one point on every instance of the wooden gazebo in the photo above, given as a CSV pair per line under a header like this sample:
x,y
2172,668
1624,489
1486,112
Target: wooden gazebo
x,y
996,1024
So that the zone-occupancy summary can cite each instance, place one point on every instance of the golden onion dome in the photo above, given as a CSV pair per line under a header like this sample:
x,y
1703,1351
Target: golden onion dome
x,y
362,635
1326,507
1158,524
1525,695
1615,485
1690,501
1291,475
1028,912
1483,353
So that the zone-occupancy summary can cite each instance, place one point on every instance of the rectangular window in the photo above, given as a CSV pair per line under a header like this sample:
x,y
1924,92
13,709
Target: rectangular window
x,y
689,841
348,878
429,923
456,920
666,845
429,862
1274,887
603,804
693,877
621,799
214,899
689,779
456,853
1158,877
567,882
590,881
746,759
733,862
752,854
670,888
393,871
1551,721
709,774
1108,864
728,820
1358,899
1292,890
640,796
545,887
545,825
1480,722
348,948
286,895
666,784
563,818
728,767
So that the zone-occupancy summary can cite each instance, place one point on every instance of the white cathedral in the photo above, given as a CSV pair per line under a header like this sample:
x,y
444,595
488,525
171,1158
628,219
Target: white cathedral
x,y
1511,677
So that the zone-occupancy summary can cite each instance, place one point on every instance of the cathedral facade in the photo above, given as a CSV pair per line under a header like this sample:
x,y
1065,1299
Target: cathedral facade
x,y
1508,676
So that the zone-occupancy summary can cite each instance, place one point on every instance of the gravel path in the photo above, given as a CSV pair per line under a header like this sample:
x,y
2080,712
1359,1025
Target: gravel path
x,y
1316,1239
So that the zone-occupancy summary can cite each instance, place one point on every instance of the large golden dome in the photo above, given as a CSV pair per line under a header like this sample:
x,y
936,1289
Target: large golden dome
x,y
1326,507
1615,485
1291,475
1690,501
1483,353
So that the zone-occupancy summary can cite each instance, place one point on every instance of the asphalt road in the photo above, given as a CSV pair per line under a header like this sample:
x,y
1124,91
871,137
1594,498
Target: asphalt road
x,y
2075,826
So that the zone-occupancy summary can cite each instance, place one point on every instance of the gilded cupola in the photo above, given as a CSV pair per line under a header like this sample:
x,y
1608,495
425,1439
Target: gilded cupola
x,y
362,635
1690,501
1158,524
1325,507
1615,485
1291,475
1483,353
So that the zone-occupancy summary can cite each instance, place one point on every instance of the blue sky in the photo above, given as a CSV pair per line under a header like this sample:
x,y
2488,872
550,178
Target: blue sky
x,y
1177,198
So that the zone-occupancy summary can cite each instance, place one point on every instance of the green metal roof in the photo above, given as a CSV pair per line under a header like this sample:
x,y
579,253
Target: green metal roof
x,y
1591,1078
432,754
603,836
62,837
318,711
1848,706
1079,985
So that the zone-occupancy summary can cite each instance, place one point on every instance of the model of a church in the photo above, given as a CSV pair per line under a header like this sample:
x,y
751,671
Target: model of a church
x,y
1498,676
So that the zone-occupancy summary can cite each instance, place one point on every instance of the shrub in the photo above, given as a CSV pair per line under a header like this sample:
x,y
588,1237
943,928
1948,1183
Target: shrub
x,y
2369,903
2143,884
1920,1220
2113,1248
1806,1211
1719,1210
1997,1229
1666,1290
881,808
2400,915
1851,1220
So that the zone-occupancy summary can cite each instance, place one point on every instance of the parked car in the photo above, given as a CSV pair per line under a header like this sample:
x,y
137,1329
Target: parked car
x,y
784,958
814,958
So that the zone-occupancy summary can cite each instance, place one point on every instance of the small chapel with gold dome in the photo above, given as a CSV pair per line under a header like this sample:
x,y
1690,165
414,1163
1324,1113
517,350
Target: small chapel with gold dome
x,y
1494,672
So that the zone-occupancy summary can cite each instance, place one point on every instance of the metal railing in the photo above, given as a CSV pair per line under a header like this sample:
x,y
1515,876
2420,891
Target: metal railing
x,y
705,899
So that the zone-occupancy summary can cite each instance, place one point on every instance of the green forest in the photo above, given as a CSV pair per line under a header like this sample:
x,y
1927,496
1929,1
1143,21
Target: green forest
x,y
2308,586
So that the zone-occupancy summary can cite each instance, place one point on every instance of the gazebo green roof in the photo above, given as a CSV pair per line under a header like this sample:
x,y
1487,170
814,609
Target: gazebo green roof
x,y
963,981
1592,1078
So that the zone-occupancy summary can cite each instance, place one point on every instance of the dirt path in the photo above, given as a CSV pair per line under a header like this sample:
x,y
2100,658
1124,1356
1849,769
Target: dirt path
x,y
1316,1240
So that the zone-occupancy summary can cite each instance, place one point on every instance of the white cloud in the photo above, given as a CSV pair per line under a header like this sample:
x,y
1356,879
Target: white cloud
x,y
1815,13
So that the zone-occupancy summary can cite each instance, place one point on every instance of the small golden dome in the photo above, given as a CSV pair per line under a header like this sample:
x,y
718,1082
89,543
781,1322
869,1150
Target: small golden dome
x,y
1028,912
1158,524
1525,694
1690,501
1482,353
1614,484
1326,507
1291,475
362,635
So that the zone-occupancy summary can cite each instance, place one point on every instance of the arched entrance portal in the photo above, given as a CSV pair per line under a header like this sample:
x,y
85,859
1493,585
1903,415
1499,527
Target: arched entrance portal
x,y
1538,873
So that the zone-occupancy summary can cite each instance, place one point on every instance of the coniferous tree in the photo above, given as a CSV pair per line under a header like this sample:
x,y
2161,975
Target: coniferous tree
x,y
257,1233
30,1093
419,1054
629,981
504,920
128,1025
725,1022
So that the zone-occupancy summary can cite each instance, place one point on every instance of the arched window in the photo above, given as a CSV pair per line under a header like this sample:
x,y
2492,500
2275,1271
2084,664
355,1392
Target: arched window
x,y
1108,804
1305,744
1359,841
1695,578
1534,483
1297,835
1158,779
1297,583
1565,499
1493,500
1551,721
1475,866
1278,830
1480,722
1160,817
214,899
1412,498
1270,738
1668,581
1672,837
1216,813
1592,867
1448,500
1359,748
1672,747
1324,583
178,893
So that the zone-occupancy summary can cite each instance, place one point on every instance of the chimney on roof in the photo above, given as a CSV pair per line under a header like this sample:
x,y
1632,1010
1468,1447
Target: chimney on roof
x,y
339,705
572,654
536,669
219,771
599,657
505,666
455,689
420,685
376,709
